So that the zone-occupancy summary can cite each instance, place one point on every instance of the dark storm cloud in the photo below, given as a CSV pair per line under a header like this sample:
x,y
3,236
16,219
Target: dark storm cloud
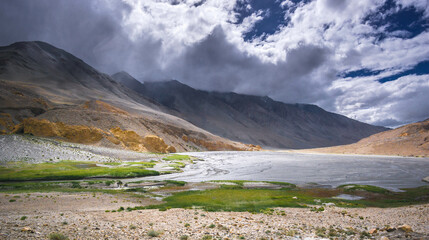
x,y
91,30
216,64
295,75
77,26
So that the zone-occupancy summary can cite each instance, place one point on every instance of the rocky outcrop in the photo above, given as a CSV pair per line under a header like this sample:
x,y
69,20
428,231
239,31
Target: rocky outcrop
x,y
157,144
131,140
91,135
126,139
6,123
71,133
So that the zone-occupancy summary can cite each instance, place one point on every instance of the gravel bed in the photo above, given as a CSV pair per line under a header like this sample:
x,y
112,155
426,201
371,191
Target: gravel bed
x,y
36,150
67,214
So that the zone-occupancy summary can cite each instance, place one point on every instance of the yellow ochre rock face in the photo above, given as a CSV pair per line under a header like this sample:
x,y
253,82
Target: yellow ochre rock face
x,y
40,127
131,140
128,139
72,133
157,144
91,135
6,123
80,134
126,136
170,149
101,106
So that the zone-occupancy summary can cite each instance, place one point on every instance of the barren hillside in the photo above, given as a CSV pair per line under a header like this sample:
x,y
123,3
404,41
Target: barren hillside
x,y
408,140
48,92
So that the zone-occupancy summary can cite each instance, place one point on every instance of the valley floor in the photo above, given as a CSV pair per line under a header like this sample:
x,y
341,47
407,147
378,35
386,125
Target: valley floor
x,y
84,216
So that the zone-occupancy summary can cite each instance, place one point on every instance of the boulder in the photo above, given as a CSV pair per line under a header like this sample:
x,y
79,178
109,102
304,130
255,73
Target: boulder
x,y
405,228
170,149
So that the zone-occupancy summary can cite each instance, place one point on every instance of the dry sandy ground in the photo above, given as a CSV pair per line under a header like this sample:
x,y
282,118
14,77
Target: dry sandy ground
x,y
83,216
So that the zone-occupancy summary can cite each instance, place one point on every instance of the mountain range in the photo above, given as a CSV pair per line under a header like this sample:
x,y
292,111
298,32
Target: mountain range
x,y
48,92
252,119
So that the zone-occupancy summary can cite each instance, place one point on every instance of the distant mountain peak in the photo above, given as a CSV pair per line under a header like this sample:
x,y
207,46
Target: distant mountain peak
x,y
40,46
123,76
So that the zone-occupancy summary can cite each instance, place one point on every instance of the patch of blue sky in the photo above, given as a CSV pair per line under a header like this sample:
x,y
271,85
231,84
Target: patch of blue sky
x,y
393,20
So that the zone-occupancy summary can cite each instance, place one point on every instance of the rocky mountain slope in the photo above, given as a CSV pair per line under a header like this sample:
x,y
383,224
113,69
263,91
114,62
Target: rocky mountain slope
x,y
253,119
45,91
408,140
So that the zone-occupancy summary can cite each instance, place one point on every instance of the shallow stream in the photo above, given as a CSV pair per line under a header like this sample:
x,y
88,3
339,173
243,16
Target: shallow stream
x,y
301,168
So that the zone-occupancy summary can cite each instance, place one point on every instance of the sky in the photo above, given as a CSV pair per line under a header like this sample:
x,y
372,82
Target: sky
x,y
366,59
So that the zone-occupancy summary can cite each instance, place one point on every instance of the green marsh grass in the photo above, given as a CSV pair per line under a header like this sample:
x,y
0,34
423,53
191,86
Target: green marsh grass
x,y
253,200
69,170
366,188
29,187
177,157
263,200
241,183
57,236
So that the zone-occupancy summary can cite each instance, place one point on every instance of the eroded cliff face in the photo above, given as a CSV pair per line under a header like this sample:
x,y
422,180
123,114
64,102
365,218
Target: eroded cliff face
x,y
131,140
71,133
91,135
125,139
